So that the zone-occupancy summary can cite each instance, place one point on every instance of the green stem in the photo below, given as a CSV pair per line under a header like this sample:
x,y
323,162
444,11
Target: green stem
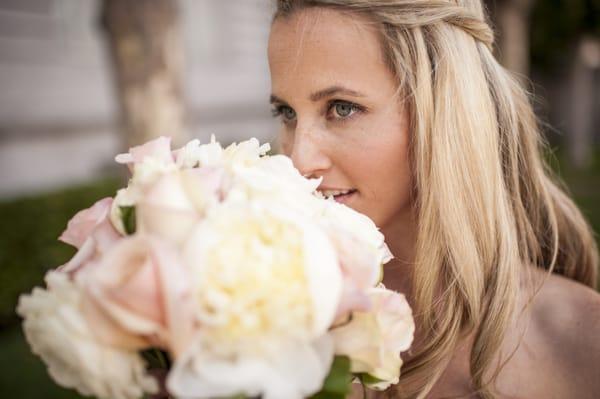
x,y
164,362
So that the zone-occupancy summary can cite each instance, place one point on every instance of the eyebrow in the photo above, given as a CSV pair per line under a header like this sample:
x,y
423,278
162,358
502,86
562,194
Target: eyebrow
x,y
319,95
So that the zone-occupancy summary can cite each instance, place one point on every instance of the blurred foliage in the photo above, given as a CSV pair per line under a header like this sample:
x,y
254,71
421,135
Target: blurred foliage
x,y
556,24
583,185
22,374
28,248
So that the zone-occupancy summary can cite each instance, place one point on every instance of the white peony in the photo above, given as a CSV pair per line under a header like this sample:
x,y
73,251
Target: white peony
x,y
57,332
194,154
246,153
273,179
276,175
243,154
267,286
186,156
149,170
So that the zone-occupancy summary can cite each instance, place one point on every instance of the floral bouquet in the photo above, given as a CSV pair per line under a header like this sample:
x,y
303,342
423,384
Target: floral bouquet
x,y
227,270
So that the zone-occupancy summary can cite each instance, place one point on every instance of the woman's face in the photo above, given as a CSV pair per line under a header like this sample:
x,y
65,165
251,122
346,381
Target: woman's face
x,y
340,118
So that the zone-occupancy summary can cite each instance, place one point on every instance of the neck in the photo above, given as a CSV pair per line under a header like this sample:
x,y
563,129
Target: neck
x,y
400,236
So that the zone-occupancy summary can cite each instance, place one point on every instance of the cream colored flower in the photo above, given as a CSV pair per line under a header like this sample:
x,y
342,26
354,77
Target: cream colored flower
x,y
273,179
57,332
361,250
148,161
246,153
374,339
267,288
149,170
194,154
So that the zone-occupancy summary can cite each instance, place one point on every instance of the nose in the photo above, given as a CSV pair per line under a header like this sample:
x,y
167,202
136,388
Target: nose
x,y
309,153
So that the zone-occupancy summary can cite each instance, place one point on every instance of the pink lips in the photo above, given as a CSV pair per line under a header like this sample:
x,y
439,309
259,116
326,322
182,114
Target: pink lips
x,y
344,198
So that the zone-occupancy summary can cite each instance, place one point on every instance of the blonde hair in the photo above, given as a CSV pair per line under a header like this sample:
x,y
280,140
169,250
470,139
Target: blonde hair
x,y
487,205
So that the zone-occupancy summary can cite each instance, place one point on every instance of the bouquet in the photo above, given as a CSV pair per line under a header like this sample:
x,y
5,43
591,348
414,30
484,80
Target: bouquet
x,y
228,270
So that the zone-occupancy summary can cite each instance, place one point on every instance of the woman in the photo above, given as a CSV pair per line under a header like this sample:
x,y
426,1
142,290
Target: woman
x,y
403,111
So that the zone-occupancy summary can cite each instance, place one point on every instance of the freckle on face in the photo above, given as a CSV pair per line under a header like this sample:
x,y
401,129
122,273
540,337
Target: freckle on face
x,y
318,48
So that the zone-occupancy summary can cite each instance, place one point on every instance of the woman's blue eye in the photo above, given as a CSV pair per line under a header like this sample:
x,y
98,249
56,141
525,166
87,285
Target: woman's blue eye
x,y
344,109
288,113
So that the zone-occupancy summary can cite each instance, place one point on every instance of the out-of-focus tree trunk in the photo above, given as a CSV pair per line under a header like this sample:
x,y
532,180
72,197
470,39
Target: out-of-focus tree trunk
x,y
146,49
583,92
512,18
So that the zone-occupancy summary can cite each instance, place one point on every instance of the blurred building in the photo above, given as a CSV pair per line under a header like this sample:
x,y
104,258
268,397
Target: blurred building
x,y
58,112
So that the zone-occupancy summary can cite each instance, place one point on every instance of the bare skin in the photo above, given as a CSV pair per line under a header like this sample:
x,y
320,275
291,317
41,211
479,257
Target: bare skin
x,y
360,142
558,355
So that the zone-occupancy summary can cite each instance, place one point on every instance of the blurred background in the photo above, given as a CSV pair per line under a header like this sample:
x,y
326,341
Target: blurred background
x,y
82,80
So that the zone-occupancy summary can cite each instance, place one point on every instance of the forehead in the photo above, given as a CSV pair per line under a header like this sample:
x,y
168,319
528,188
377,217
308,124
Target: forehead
x,y
318,46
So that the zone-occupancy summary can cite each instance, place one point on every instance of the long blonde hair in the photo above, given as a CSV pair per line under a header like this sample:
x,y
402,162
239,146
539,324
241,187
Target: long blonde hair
x,y
487,205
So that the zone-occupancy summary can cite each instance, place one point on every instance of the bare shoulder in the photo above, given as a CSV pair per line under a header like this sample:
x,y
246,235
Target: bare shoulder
x,y
565,319
567,308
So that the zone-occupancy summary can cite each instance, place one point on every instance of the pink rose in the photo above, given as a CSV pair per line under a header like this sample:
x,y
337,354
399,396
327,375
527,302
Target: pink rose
x,y
175,203
138,296
81,226
91,231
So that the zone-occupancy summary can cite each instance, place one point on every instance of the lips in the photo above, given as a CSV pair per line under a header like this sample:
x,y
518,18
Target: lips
x,y
339,195
327,192
344,198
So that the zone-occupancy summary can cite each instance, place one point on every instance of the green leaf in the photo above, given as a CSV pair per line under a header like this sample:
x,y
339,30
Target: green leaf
x,y
337,383
368,379
328,395
128,218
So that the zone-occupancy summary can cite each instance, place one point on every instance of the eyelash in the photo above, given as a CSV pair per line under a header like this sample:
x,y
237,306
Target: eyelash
x,y
278,110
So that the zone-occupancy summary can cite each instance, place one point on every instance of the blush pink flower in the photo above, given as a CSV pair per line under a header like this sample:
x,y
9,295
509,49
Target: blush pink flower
x,y
92,232
138,295
81,226
159,149
176,202
373,340
362,252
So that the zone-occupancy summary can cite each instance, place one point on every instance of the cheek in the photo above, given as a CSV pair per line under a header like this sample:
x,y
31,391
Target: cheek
x,y
386,177
284,142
